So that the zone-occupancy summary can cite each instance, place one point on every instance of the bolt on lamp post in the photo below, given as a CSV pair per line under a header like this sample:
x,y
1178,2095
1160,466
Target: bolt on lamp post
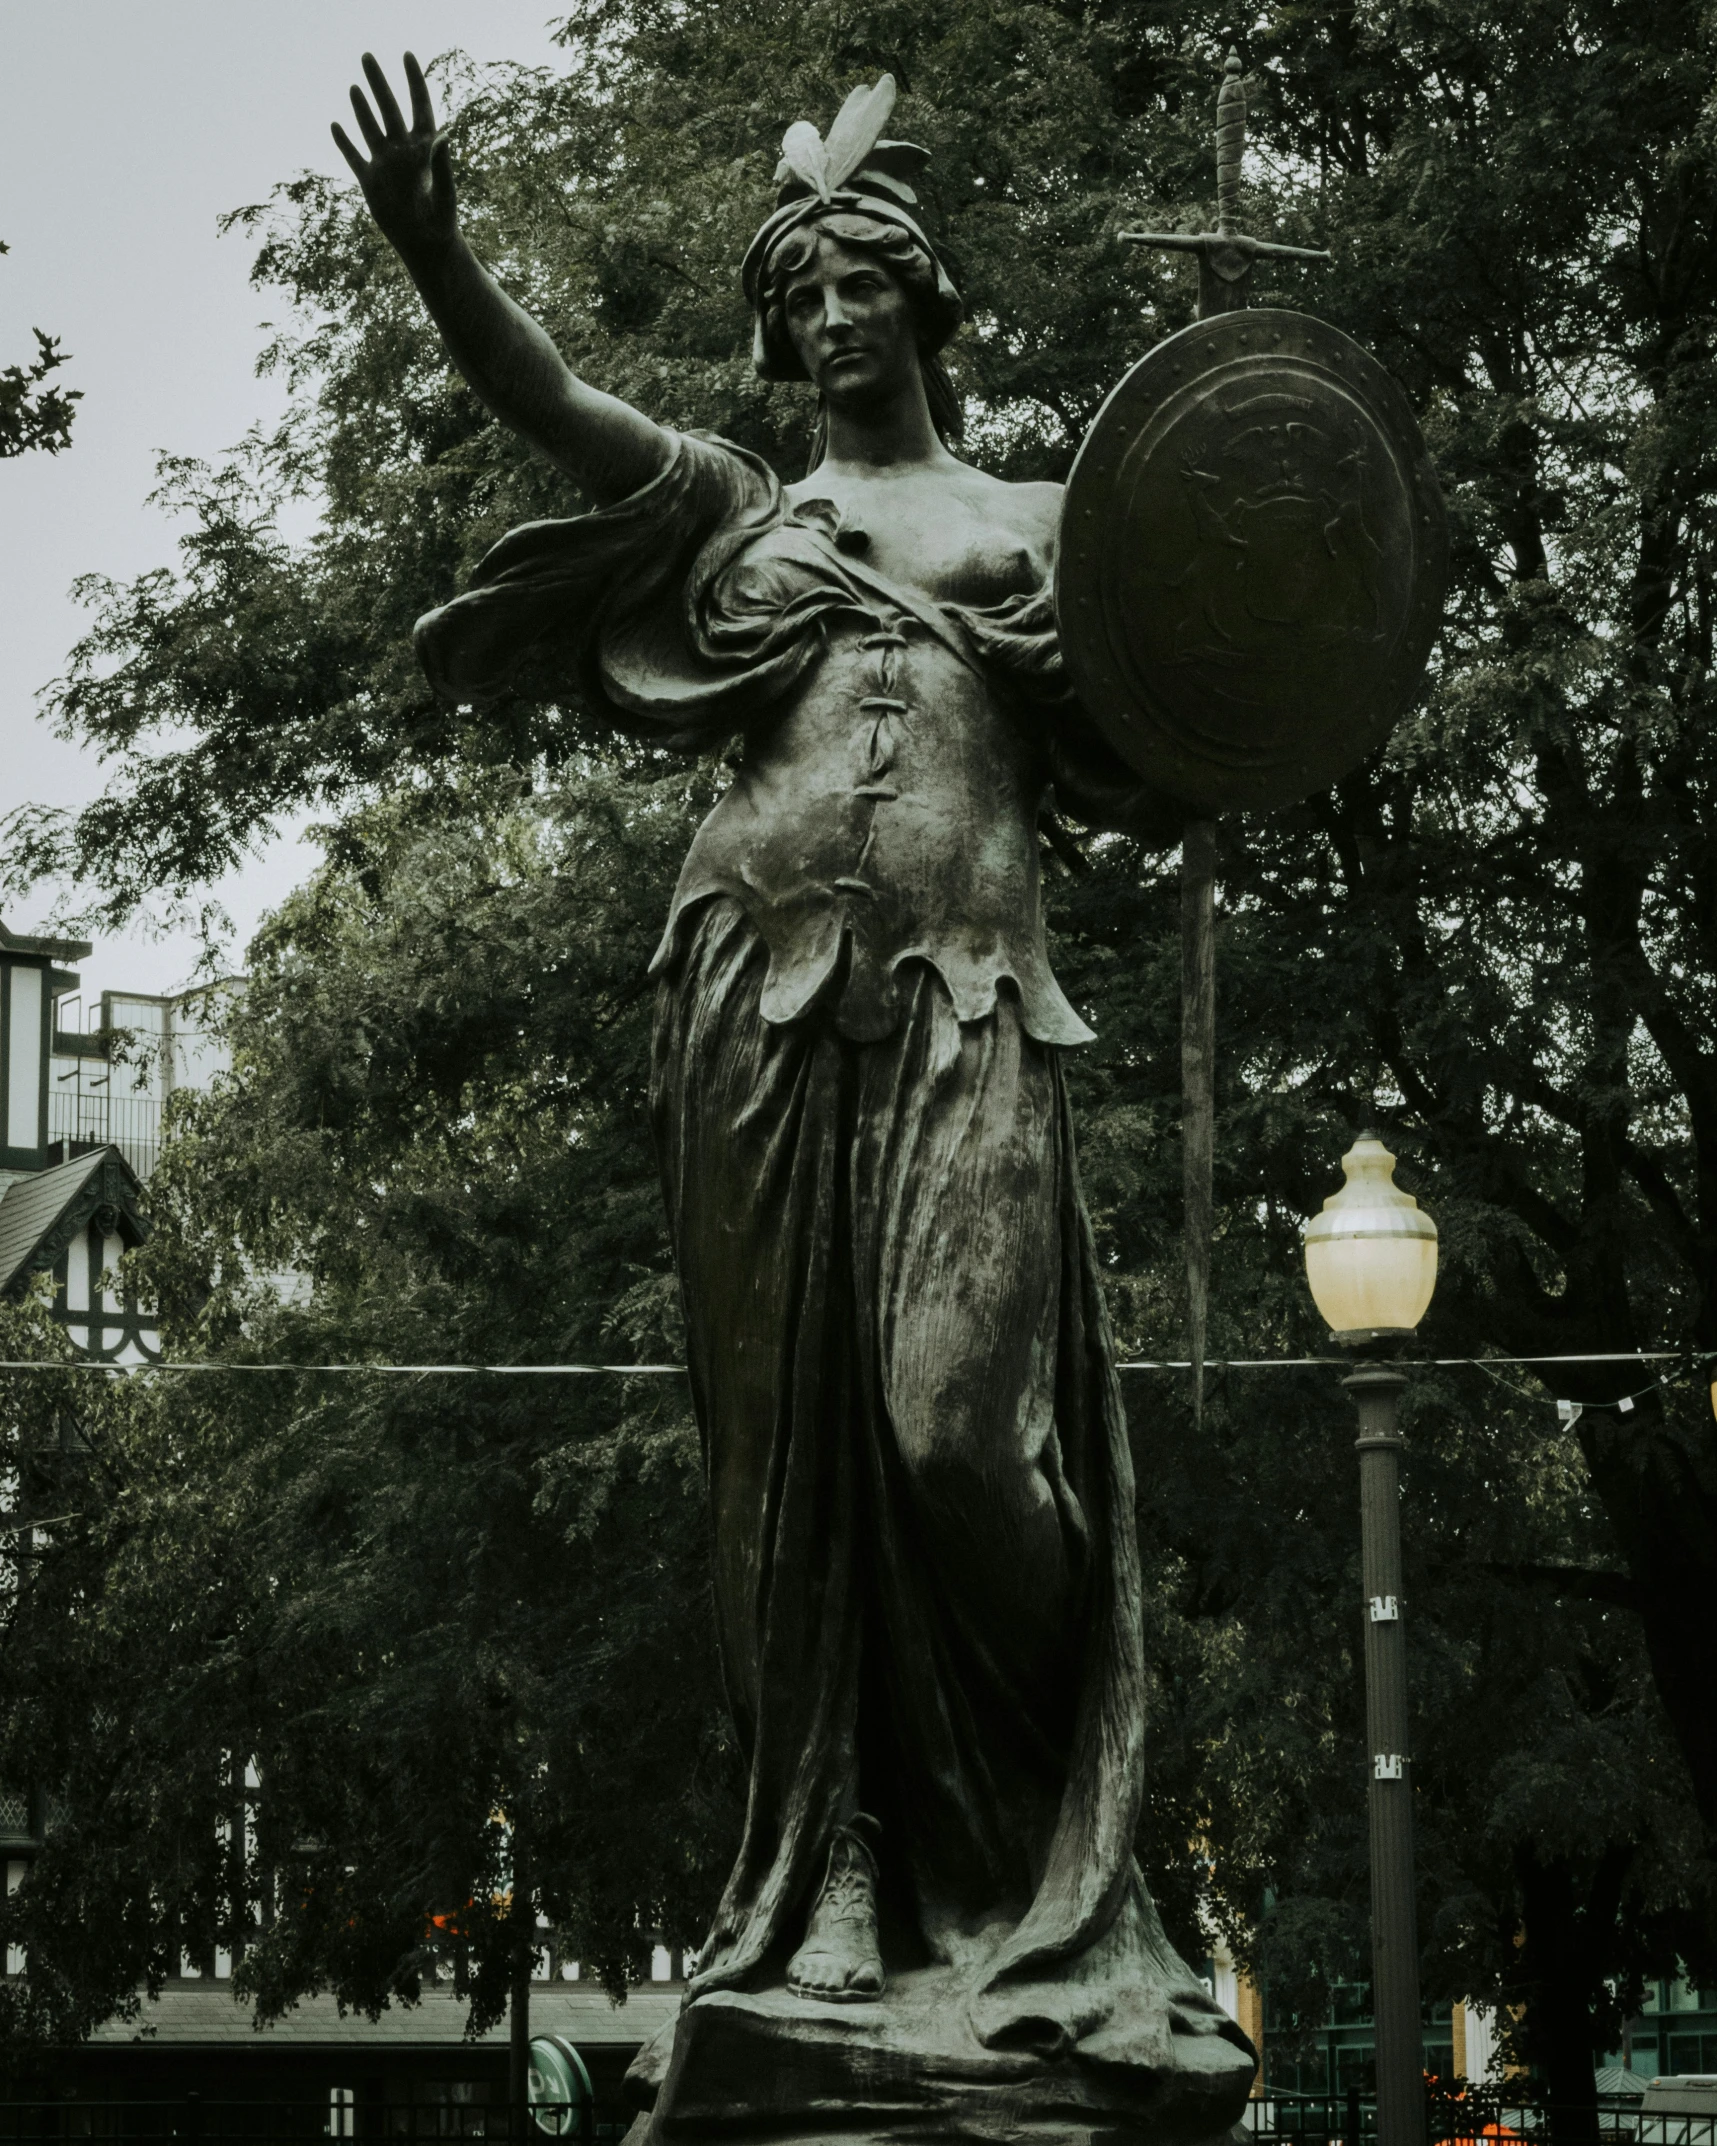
x,y
1371,1261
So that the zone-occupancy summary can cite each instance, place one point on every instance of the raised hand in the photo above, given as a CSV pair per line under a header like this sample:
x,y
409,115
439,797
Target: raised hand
x,y
408,178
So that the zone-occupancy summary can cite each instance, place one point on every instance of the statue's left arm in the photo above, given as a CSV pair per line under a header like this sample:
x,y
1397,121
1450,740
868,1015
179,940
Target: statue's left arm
x,y
1096,787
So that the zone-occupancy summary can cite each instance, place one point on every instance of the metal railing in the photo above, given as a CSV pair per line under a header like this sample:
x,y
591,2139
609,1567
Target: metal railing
x,y
336,2115
131,1122
1511,2115
1278,2117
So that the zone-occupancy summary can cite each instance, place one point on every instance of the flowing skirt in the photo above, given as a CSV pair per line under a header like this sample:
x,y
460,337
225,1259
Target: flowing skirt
x,y
926,1568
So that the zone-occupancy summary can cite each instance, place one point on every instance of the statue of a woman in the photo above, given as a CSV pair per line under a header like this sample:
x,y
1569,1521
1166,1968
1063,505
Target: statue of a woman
x,y
926,1568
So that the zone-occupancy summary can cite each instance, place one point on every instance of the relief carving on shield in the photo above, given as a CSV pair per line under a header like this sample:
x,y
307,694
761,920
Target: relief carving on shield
x,y
1253,561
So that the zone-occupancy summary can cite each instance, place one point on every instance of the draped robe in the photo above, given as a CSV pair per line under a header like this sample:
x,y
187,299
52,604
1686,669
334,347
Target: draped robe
x,y
926,1565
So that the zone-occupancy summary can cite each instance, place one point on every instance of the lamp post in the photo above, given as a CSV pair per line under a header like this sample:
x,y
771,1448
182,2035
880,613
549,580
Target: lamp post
x,y
1371,1260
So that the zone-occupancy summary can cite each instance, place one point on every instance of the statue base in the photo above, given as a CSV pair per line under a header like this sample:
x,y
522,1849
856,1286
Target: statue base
x,y
738,2067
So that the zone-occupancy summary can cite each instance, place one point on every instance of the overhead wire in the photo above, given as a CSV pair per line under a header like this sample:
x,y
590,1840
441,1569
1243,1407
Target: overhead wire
x,y
447,1370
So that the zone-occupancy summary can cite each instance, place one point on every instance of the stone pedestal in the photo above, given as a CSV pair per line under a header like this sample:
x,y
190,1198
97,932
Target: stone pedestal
x,y
767,2066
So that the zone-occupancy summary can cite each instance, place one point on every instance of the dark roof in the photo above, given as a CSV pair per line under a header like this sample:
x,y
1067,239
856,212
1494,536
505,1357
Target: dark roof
x,y
55,949
205,2013
41,1214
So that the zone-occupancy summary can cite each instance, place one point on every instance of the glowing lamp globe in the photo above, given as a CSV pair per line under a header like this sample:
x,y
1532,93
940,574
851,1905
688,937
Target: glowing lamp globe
x,y
1371,1255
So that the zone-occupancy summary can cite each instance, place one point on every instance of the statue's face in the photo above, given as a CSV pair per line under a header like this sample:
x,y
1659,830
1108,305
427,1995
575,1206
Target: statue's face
x,y
851,323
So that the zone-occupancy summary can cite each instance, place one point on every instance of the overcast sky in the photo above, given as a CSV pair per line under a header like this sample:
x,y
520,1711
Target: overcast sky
x,y
126,128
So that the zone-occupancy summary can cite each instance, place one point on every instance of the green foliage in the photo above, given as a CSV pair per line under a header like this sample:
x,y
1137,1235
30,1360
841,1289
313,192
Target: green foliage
x,y
486,1572
453,1622
31,414
1550,1792
65,1437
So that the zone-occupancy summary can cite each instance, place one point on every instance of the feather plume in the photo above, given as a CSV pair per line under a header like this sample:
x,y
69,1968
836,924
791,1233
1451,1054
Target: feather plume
x,y
857,128
804,156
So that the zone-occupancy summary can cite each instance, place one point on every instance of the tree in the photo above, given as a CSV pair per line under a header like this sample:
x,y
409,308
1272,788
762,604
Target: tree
x,y
62,1437
1513,908
457,1626
1551,1801
31,414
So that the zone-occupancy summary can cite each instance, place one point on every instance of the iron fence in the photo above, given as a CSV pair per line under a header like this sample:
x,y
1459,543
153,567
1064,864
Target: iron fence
x,y
131,1122
194,2121
1475,2116
1507,2117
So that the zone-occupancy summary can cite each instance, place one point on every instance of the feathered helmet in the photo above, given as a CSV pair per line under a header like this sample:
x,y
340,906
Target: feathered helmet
x,y
852,174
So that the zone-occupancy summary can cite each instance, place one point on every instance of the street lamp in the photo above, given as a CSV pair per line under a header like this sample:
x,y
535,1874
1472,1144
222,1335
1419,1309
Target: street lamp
x,y
1371,1260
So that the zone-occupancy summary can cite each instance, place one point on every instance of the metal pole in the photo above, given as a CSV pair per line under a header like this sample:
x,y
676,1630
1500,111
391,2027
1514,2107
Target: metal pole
x,y
1394,1923
1197,1081
523,1931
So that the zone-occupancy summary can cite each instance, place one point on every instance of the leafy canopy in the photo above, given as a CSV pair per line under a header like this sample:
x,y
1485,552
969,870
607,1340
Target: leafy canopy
x,y
33,414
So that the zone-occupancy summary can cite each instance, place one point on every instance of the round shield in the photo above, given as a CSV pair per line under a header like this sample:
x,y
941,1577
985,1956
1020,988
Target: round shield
x,y
1252,563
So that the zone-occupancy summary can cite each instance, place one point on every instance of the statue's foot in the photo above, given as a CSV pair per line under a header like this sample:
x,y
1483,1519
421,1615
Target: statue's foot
x,y
840,1962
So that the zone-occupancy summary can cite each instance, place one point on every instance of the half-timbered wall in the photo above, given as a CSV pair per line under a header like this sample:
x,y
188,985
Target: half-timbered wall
x,y
100,1308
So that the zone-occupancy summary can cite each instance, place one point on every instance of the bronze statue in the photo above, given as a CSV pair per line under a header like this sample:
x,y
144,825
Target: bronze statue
x,y
926,1567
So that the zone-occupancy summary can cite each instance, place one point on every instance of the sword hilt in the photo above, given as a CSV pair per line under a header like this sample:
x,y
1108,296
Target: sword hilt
x,y
1225,255
1230,145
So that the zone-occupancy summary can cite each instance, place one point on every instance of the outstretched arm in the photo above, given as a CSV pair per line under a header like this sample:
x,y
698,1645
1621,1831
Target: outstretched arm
x,y
604,444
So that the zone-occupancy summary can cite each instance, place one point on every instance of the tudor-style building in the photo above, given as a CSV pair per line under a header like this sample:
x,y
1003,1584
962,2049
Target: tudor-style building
x,y
81,1098
74,1220
69,1207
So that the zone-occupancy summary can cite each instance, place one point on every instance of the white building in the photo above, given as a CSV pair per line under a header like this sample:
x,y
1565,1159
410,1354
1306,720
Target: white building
x,y
81,1099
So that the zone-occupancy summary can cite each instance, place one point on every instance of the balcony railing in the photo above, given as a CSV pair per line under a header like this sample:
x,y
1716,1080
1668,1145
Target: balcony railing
x,y
132,1123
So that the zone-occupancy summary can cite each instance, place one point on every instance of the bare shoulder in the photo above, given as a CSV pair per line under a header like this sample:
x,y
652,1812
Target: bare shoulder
x,y
1043,503
1045,497
1034,510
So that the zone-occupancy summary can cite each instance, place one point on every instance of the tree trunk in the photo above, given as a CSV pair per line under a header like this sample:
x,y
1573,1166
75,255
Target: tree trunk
x,y
1663,1507
1560,1977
